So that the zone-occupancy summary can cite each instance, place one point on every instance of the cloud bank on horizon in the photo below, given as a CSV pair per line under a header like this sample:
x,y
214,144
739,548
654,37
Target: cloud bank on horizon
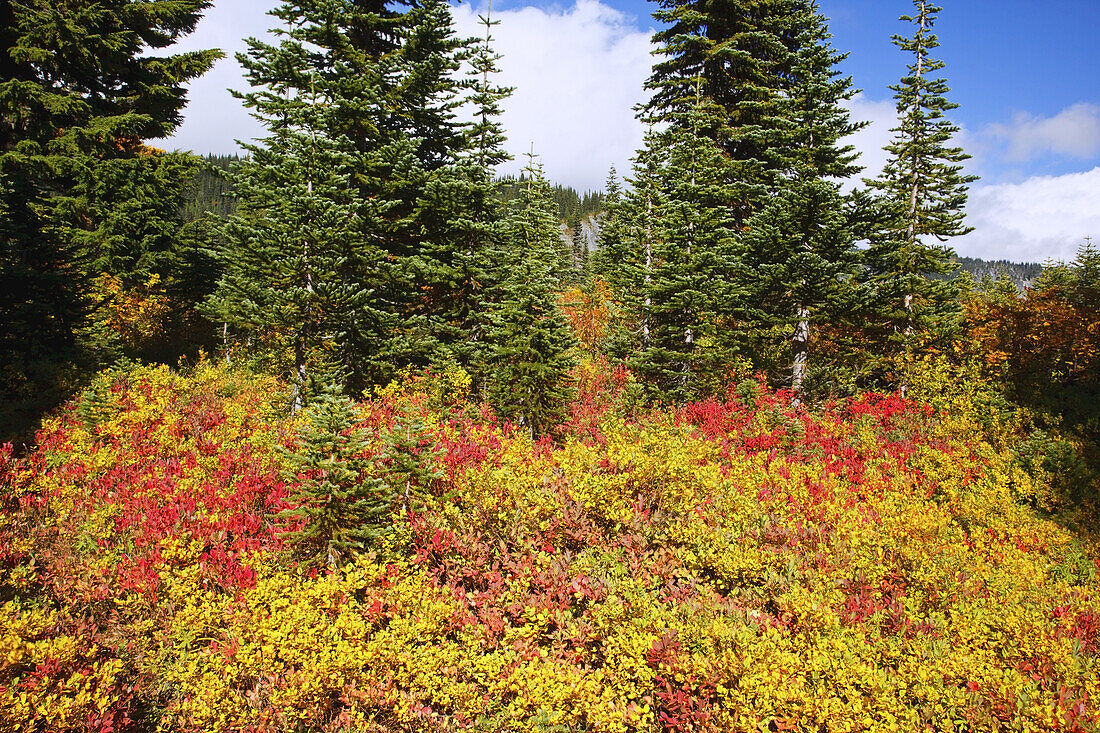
x,y
578,73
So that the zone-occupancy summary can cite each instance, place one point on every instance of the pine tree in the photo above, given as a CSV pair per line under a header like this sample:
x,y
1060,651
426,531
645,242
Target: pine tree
x,y
531,358
341,507
921,194
799,247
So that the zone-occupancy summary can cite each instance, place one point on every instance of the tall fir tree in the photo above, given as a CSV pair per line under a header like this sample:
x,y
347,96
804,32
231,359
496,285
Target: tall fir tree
x,y
628,240
690,283
736,54
532,342
800,252
920,195
297,257
82,90
459,214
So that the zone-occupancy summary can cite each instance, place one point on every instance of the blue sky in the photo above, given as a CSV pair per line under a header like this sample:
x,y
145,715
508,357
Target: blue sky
x,y
1025,74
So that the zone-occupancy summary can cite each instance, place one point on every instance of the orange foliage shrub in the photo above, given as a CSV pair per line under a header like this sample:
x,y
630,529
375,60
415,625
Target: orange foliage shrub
x,y
733,565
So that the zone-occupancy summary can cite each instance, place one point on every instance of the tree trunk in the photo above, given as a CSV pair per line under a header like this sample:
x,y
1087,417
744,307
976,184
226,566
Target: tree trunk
x,y
800,352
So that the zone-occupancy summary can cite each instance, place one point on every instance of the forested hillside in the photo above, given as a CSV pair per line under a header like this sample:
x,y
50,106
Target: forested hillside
x,y
347,433
1022,274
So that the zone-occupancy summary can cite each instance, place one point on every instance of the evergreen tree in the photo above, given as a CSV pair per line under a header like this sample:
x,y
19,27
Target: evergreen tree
x,y
799,247
82,195
296,259
803,262
628,241
611,247
408,459
531,358
690,269
736,54
920,195
449,266
341,507
486,134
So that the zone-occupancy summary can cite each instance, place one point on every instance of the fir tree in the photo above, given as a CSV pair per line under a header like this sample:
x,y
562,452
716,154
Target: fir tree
x,y
920,194
736,55
803,263
408,459
297,263
690,270
341,507
531,357
628,245
83,88
799,247
612,248
486,134
458,212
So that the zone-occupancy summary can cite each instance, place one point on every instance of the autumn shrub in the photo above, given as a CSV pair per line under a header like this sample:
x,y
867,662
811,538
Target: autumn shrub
x,y
731,565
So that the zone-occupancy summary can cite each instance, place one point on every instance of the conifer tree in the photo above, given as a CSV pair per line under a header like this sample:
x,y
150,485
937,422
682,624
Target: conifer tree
x,y
920,195
296,258
356,68
612,247
690,281
799,248
458,210
628,241
81,90
408,459
341,506
531,357
486,134
736,55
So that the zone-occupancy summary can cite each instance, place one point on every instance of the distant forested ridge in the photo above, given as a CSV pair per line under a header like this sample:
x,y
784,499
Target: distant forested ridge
x,y
212,192
1022,274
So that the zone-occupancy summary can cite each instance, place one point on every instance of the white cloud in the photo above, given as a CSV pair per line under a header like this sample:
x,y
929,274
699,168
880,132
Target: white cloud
x,y
1044,217
1039,218
1074,133
214,118
870,141
578,73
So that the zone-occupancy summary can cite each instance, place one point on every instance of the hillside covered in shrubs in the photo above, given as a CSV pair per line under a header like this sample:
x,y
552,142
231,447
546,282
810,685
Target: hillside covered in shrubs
x,y
168,562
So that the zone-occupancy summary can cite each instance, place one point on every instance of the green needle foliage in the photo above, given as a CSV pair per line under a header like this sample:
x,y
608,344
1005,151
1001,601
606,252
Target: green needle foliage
x,y
342,509
690,274
296,257
800,252
920,194
531,355
409,459
736,54
82,196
